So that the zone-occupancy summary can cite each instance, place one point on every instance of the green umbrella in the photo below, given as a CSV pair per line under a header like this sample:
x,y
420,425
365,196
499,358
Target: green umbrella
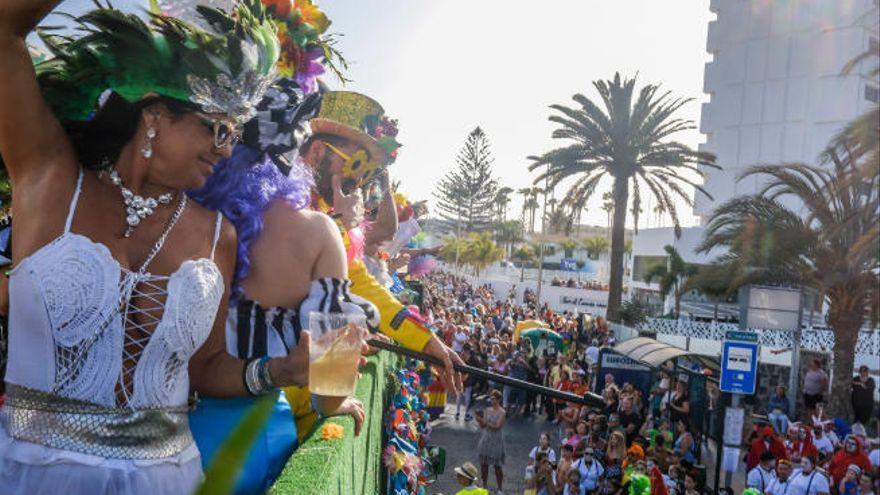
x,y
541,338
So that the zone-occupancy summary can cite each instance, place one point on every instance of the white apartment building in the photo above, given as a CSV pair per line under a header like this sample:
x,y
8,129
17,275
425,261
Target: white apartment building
x,y
775,83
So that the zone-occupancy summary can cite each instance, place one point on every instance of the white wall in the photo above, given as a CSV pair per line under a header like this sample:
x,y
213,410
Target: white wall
x,y
777,94
558,298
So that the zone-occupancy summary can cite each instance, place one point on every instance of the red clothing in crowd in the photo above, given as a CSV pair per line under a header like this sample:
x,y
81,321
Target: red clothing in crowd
x,y
842,459
760,445
658,486
803,448
564,386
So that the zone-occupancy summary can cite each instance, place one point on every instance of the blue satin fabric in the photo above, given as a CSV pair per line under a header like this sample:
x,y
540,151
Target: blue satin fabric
x,y
214,419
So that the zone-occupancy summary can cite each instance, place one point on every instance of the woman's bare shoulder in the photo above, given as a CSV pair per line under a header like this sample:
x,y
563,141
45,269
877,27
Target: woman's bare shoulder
x,y
300,223
204,222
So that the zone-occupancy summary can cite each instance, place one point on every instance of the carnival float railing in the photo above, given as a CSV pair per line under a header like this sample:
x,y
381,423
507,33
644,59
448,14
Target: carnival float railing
x,y
349,464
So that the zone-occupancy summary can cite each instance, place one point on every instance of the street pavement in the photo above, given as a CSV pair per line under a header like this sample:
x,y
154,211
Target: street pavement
x,y
459,438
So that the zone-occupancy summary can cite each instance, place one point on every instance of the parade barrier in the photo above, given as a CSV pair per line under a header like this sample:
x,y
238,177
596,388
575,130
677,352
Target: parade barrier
x,y
349,464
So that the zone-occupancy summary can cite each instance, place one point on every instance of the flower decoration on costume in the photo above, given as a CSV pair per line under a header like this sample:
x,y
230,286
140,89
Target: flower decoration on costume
x,y
384,130
332,431
407,429
305,49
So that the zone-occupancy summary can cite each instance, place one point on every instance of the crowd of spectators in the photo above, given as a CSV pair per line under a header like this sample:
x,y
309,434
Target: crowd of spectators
x,y
635,435
579,284
585,449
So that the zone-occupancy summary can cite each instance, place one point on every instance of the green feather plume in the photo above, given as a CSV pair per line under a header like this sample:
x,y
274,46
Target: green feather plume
x,y
132,57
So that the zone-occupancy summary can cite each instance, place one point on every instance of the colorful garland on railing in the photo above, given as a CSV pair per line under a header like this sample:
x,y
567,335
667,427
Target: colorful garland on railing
x,y
407,429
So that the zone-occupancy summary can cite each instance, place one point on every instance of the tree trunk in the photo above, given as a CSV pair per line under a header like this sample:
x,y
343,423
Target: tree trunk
x,y
620,194
846,324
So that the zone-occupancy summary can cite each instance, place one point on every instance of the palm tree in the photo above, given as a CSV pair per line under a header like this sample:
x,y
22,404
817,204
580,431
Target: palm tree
x,y
559,221
453,249
525,194
713,281
569,245
671,276
626,140
577,210
830,245
636,211
595,246
509,233
524,254
481,251
530,205
502,199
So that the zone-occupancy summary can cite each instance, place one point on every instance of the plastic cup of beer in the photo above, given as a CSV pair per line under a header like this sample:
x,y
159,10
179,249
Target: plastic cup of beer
x,y
335,352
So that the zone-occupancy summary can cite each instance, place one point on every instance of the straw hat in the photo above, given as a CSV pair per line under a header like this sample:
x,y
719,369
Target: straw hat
x,y
467,470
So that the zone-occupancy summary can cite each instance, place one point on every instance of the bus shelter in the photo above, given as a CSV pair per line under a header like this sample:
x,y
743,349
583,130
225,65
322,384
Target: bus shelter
x,y
638,361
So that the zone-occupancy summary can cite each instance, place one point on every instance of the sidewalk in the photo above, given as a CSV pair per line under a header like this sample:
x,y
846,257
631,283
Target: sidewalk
x,y
459,438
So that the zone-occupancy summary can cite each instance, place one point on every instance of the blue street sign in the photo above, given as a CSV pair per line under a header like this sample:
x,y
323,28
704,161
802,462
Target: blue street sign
x,y
739,363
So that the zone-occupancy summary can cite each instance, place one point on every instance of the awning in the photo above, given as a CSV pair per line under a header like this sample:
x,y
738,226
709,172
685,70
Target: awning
x,y
654,353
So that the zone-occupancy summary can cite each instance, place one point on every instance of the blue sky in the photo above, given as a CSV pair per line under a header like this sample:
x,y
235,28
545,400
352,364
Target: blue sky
x,y
444,67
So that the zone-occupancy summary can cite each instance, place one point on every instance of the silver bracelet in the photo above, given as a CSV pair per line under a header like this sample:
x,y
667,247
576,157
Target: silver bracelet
x,y
265,376
256,377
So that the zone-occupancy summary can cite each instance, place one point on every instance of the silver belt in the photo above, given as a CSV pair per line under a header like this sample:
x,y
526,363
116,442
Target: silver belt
x,y
68,424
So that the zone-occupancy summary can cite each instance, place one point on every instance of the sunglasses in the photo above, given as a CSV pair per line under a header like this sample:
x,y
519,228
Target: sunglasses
x,y
225,131
356,164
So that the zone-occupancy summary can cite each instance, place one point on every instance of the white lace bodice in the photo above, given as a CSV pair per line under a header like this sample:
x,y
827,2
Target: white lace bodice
x,y
84,327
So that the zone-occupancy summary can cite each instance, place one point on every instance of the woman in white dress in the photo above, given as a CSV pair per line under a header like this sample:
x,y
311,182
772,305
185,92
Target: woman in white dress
x,y
117,298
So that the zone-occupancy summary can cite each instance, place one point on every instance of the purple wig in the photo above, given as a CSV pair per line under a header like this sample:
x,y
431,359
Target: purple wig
x,y
242,187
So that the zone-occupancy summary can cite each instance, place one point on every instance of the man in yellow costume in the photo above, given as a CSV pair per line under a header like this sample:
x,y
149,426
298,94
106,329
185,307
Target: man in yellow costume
x,y
352,143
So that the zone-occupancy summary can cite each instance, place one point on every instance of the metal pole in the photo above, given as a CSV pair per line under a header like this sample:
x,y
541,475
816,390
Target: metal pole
x,y
541,246
744,292
734,402
794,372
718,434
589,399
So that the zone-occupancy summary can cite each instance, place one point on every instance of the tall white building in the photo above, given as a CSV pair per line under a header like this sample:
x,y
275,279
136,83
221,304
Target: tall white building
x,y
775,84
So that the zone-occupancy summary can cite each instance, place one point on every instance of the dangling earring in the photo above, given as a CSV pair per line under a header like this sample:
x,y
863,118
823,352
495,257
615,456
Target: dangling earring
x,y
147,149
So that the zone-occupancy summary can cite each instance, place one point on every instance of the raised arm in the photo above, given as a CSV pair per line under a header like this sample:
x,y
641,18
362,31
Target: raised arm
x,y
31,138
20,17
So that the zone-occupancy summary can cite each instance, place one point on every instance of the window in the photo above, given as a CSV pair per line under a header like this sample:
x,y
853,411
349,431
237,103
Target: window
x,y
872,93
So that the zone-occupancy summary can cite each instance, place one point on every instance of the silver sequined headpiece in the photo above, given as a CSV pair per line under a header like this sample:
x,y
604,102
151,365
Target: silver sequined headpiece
x,y
237,98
